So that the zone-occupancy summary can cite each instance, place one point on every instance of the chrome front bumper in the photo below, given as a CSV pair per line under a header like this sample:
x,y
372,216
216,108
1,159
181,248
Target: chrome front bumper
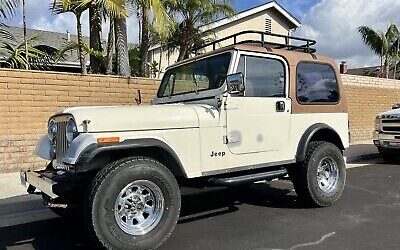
x,y
385,140
38,181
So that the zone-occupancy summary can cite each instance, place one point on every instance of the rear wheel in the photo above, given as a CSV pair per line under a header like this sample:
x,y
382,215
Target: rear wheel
x,y
134,203
320,179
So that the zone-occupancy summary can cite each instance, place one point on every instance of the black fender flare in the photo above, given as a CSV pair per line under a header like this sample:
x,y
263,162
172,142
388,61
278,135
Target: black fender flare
x,y
90,152
308,135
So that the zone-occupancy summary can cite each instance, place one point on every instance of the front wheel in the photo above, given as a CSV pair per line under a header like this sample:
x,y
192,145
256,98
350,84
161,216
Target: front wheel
x,y
320,179
134,203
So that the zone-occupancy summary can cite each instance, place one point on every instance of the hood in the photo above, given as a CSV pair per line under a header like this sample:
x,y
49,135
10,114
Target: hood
x,y
393,112
131,118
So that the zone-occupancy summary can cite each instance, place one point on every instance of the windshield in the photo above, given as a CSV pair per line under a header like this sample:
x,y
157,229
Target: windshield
x,y
204,74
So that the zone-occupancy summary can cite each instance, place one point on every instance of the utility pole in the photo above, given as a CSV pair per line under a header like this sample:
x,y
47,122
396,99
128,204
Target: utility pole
x,y
25,34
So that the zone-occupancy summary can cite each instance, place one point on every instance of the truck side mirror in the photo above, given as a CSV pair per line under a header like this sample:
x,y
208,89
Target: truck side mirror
x,y
396,106
235,83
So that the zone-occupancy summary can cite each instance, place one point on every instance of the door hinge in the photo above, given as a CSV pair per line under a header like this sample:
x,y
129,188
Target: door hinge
x,y
225,139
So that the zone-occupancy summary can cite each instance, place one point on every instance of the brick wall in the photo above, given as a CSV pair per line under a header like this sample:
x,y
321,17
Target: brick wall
x,y
28,98
366,98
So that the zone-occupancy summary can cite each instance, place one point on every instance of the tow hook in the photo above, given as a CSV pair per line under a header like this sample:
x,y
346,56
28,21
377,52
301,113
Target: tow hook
x,y
31,189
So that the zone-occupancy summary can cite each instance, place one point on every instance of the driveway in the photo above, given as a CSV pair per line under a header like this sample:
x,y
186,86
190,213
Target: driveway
x,y
262,217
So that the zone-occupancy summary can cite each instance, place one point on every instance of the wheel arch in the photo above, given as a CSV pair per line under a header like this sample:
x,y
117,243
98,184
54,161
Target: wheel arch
x,y
97,156
317,132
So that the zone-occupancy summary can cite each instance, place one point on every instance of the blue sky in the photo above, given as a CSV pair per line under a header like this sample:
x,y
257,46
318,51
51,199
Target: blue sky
x,y
296,7
333,23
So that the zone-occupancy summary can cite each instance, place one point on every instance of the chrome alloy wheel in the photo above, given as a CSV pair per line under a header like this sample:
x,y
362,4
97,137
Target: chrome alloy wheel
x,y
328,175
139,207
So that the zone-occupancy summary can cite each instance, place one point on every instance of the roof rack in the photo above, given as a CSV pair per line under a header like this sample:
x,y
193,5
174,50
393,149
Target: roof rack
x,y
305,44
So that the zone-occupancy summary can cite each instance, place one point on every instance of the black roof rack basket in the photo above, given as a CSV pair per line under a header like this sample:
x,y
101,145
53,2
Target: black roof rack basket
x,y
302,44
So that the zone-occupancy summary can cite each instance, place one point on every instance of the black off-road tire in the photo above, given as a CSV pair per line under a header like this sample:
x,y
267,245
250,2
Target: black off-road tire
x,y
103,194
304,175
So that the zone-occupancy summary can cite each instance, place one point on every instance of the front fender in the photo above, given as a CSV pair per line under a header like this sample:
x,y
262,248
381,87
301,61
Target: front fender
x,y
77,147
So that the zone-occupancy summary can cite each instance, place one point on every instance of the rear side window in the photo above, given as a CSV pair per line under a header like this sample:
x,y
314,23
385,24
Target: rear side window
x,y
316,83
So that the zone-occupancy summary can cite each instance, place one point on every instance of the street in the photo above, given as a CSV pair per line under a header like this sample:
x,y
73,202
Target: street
x,y
261,217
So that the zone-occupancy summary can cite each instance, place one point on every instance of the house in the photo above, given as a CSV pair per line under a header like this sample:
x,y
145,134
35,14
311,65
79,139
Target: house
x,y
268,17
374,71
70,62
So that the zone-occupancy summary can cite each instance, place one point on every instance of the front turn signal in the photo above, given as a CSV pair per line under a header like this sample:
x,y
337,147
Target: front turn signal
x,y
108,140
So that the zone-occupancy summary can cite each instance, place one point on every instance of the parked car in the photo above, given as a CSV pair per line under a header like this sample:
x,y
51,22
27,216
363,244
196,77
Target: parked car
x,y
387,133
248,112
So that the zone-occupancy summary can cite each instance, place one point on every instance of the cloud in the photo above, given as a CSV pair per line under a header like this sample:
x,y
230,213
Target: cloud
x,y
334,23
40,17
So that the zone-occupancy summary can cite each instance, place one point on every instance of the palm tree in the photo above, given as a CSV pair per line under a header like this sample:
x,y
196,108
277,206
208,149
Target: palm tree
x,y
396,48
99,9
153,16
381,43
7,9
77,7
121,47
95,21
192,14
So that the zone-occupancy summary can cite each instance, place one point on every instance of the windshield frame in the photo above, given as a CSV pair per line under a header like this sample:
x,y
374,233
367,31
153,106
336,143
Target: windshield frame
x,y
193,95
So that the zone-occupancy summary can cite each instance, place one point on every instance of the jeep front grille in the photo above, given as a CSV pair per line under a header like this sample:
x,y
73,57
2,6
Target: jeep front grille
x,y
61,136
391,124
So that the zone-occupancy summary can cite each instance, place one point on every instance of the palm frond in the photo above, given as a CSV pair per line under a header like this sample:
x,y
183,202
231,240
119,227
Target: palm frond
x,y
114,8
4,34
7,8
39,56
392,33
372,38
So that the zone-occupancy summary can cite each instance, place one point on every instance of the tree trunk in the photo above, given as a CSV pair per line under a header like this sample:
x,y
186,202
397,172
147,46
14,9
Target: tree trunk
x,y
121,47
145,43
82,60
386,67
182,52
110,48
397,58
25,34
186,41
160,61
95,37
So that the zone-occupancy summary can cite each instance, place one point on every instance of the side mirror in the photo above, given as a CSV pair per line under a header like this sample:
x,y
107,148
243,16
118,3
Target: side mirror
x,y
396,106
235,83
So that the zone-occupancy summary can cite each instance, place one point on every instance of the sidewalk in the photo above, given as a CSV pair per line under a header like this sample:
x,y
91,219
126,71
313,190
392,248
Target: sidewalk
x,y
10,183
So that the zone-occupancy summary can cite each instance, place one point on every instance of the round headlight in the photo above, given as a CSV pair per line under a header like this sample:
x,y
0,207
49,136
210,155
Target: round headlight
x,y
52,130
72,131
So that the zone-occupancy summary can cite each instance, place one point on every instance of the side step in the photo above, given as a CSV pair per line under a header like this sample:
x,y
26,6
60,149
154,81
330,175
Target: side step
x,y
247,179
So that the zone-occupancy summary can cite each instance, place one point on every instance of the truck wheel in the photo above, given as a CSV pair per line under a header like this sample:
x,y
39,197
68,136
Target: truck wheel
x,y
320,179
133,203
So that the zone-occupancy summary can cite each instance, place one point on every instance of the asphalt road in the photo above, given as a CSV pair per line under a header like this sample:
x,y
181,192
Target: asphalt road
x,y
264,217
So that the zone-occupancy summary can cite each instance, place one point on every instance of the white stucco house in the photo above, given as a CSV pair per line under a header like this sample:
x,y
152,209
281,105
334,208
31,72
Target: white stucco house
x,y
268,17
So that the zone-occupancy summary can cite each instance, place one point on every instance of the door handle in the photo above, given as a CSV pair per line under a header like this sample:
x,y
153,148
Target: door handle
x,y
280,106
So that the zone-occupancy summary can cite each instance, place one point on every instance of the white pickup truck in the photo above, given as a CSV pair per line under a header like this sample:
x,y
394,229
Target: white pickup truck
x,y
387,133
